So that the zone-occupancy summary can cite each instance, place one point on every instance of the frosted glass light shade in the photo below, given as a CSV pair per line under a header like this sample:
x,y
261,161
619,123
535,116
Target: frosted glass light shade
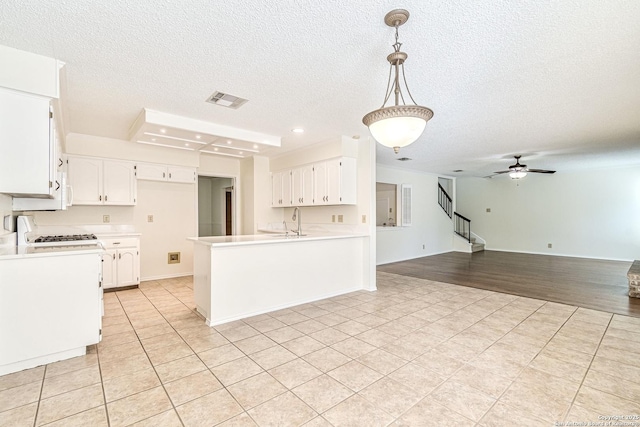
x,y
397,126
517,174
397,131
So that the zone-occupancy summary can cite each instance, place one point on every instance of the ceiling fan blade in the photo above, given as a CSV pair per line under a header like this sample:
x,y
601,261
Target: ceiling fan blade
x,y
540,171
501,172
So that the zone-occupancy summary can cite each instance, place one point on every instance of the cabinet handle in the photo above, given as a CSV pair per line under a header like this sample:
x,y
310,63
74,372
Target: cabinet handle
x,y
100,197
114,257
169,174
164,174
61,162
119,256
105,198
58,185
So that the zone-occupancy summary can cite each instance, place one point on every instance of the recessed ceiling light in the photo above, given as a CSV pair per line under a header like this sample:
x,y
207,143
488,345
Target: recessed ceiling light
x,y
255,146
198,137
163,130
164,145
153,139
228,141
215,149
239,152
186,144
297,130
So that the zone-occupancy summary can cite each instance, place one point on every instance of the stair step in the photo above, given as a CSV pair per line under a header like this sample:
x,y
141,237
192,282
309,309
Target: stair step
x,y
477,247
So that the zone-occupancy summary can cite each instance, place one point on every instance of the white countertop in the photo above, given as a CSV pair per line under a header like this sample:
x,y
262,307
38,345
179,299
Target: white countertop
x,y
257,239
16,252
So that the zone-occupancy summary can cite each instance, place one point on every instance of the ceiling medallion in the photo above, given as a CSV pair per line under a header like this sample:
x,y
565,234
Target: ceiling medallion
x,y
399,125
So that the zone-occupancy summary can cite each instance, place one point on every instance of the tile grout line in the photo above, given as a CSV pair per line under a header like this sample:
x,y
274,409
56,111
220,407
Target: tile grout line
x,y
589,367
44,375
147,354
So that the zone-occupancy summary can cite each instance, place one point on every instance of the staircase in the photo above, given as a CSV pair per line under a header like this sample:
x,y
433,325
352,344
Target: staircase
x,y
461,226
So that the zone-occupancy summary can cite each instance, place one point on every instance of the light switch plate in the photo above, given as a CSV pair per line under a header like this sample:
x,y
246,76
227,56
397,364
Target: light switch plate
x,y
106,218
340,218
149,218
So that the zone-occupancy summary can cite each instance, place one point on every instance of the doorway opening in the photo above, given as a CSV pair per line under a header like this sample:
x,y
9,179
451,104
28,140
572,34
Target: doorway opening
x,y
216,206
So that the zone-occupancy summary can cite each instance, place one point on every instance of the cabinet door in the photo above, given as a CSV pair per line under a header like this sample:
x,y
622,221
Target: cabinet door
x,y
348,181
180,174
307,185
85,178
287,196
276,189
297,183
151,172
119,183
333,181
25,144
127,271
320,183
109,268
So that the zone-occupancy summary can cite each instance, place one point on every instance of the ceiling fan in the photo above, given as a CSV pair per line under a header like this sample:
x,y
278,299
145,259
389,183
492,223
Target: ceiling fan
x,y
518,170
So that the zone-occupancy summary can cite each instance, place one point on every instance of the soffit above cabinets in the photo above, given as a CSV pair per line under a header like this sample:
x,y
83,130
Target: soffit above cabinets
x,y
183,133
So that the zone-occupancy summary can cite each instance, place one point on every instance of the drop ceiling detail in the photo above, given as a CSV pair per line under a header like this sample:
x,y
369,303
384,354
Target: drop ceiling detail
x,y
183,133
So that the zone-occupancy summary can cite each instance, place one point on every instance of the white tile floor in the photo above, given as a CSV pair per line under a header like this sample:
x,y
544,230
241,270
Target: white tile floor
x,y
414,353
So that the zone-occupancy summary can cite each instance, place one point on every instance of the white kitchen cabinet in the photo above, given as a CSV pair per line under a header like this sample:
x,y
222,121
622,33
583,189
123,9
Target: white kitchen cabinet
x,y
281,189
158,172
96,181
302,186
28,164
50,306
120,262
329,182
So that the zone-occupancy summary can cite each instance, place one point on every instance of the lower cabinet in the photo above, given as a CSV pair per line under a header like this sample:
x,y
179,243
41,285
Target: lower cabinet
x,y
121,262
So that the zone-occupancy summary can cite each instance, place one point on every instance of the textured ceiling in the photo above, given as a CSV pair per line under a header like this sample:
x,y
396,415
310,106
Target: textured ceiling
x,y
556,81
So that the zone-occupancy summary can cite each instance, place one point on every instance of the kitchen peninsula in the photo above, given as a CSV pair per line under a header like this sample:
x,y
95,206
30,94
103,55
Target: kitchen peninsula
x,y
242,276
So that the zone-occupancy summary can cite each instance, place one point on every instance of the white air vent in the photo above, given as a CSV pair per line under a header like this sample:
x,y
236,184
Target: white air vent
x,y
405,191
226,100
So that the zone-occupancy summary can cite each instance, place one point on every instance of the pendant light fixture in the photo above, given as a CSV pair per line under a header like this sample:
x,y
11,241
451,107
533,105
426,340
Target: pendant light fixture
x,y
399,125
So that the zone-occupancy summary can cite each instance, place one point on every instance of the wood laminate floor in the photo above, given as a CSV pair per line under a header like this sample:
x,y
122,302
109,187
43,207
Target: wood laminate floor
x,y
590,283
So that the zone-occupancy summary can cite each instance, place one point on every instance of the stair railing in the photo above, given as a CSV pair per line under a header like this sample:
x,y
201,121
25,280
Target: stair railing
x,y
444,200
462,226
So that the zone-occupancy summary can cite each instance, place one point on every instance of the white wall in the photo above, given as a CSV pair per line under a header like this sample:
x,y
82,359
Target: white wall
x,y
593,214
431,231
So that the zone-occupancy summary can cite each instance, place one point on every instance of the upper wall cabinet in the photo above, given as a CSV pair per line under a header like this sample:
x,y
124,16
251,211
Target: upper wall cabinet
x,y
157,172
97,181
281,189
330,182
29,159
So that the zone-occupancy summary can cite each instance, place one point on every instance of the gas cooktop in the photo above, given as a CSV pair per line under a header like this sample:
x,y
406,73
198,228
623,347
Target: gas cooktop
x,y
65,238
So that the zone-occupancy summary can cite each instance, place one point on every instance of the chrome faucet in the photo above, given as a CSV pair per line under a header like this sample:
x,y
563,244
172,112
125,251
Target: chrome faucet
x,y
297,216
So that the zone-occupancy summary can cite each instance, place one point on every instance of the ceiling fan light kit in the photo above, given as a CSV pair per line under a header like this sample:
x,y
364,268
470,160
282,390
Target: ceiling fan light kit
x,y
519,171
398,125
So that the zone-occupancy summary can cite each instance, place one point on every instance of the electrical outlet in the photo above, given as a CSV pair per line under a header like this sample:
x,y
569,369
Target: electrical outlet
x,y
333,218
364,219
149,218
340,218
549,245
488,210
106,218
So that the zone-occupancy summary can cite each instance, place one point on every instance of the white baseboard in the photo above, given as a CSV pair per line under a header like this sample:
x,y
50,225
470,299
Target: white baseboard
x,y
165,276
415,257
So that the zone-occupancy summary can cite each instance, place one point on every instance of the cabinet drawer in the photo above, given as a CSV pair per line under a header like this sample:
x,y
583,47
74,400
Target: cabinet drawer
x,y
123,242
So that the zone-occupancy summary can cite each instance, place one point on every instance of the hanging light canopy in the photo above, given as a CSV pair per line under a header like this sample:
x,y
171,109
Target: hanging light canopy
x,y
399,125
